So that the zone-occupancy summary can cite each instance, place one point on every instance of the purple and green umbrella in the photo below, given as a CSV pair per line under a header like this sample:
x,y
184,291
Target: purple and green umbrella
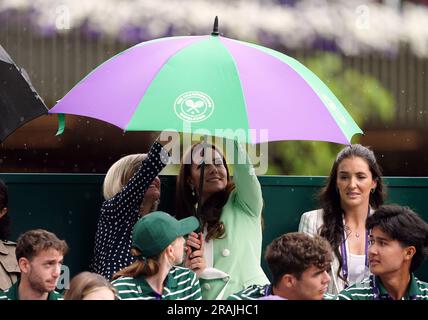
x,y
211,83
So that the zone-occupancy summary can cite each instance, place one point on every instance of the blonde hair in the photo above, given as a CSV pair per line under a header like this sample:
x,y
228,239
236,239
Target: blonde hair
x,y
120,173
85,283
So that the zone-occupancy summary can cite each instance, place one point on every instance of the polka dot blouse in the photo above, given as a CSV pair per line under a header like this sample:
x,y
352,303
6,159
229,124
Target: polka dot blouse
x,y
120,213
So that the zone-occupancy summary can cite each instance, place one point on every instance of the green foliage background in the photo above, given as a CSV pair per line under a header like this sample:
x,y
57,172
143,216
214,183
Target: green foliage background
x,y
362,95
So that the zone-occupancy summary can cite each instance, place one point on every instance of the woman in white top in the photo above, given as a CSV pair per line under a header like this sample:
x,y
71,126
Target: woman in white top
x,y
354,188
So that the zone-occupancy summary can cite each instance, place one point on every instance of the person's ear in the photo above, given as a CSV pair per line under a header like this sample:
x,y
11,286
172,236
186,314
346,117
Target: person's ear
x,y
24,265
288,280
3,212
374,186
409,252
170,250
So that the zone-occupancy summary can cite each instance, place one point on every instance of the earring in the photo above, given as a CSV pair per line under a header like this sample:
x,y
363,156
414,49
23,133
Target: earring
x,y
373,190
193,192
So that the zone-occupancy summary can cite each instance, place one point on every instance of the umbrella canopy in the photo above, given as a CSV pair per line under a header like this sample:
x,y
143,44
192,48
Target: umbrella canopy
x,y
19,101
212,83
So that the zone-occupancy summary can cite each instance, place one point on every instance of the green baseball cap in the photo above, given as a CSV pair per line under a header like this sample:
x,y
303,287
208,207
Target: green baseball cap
x,y
157,230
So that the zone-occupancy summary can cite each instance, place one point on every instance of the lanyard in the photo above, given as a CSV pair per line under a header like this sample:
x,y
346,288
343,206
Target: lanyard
x,y
268,290
345,256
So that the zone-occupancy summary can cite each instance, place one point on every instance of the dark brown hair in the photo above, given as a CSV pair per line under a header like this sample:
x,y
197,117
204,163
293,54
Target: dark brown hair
x,y
32,242
405,226
329,197
294,252
212,207
85,283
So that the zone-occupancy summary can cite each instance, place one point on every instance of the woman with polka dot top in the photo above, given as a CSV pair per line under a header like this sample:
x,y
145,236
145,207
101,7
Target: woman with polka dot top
x,y
131,190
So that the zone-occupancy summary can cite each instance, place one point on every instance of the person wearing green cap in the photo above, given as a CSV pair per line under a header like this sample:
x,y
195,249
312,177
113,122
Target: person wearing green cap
x,y
158,244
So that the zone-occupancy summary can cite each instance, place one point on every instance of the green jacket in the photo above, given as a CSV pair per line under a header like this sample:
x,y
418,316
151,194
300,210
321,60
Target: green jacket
x,y
180,284
13,294
373,289
238,253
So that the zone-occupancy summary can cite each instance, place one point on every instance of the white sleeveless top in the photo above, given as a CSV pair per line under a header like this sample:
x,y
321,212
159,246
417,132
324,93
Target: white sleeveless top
x,y
356,268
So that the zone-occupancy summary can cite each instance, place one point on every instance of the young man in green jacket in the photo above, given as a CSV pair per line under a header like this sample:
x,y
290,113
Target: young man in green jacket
x,y
398,246
40,255
299,265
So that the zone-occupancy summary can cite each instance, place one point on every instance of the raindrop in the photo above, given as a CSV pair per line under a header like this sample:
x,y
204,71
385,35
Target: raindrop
x,y
292,189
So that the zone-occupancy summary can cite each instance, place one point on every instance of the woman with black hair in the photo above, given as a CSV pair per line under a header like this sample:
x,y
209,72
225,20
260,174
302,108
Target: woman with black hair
x,y
354,189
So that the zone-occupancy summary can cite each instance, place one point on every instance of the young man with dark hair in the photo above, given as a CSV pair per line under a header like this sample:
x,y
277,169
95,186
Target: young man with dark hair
x,y
299,265
398,246
40,255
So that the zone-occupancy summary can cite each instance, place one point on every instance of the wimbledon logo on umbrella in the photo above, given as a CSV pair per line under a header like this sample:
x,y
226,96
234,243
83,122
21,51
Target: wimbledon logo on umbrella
x,y
194,106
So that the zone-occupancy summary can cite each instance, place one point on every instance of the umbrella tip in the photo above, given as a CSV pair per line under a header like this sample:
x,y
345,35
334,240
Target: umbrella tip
x,y
215,28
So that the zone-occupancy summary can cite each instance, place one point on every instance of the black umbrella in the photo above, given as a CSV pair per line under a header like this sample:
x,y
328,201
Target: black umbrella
x,y
19,101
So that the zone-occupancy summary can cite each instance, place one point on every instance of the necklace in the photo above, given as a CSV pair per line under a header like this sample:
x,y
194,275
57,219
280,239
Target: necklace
x,y
348,230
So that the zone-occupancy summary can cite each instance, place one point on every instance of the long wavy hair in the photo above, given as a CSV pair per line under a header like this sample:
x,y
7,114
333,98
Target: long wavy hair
x,y
211,209
333,228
